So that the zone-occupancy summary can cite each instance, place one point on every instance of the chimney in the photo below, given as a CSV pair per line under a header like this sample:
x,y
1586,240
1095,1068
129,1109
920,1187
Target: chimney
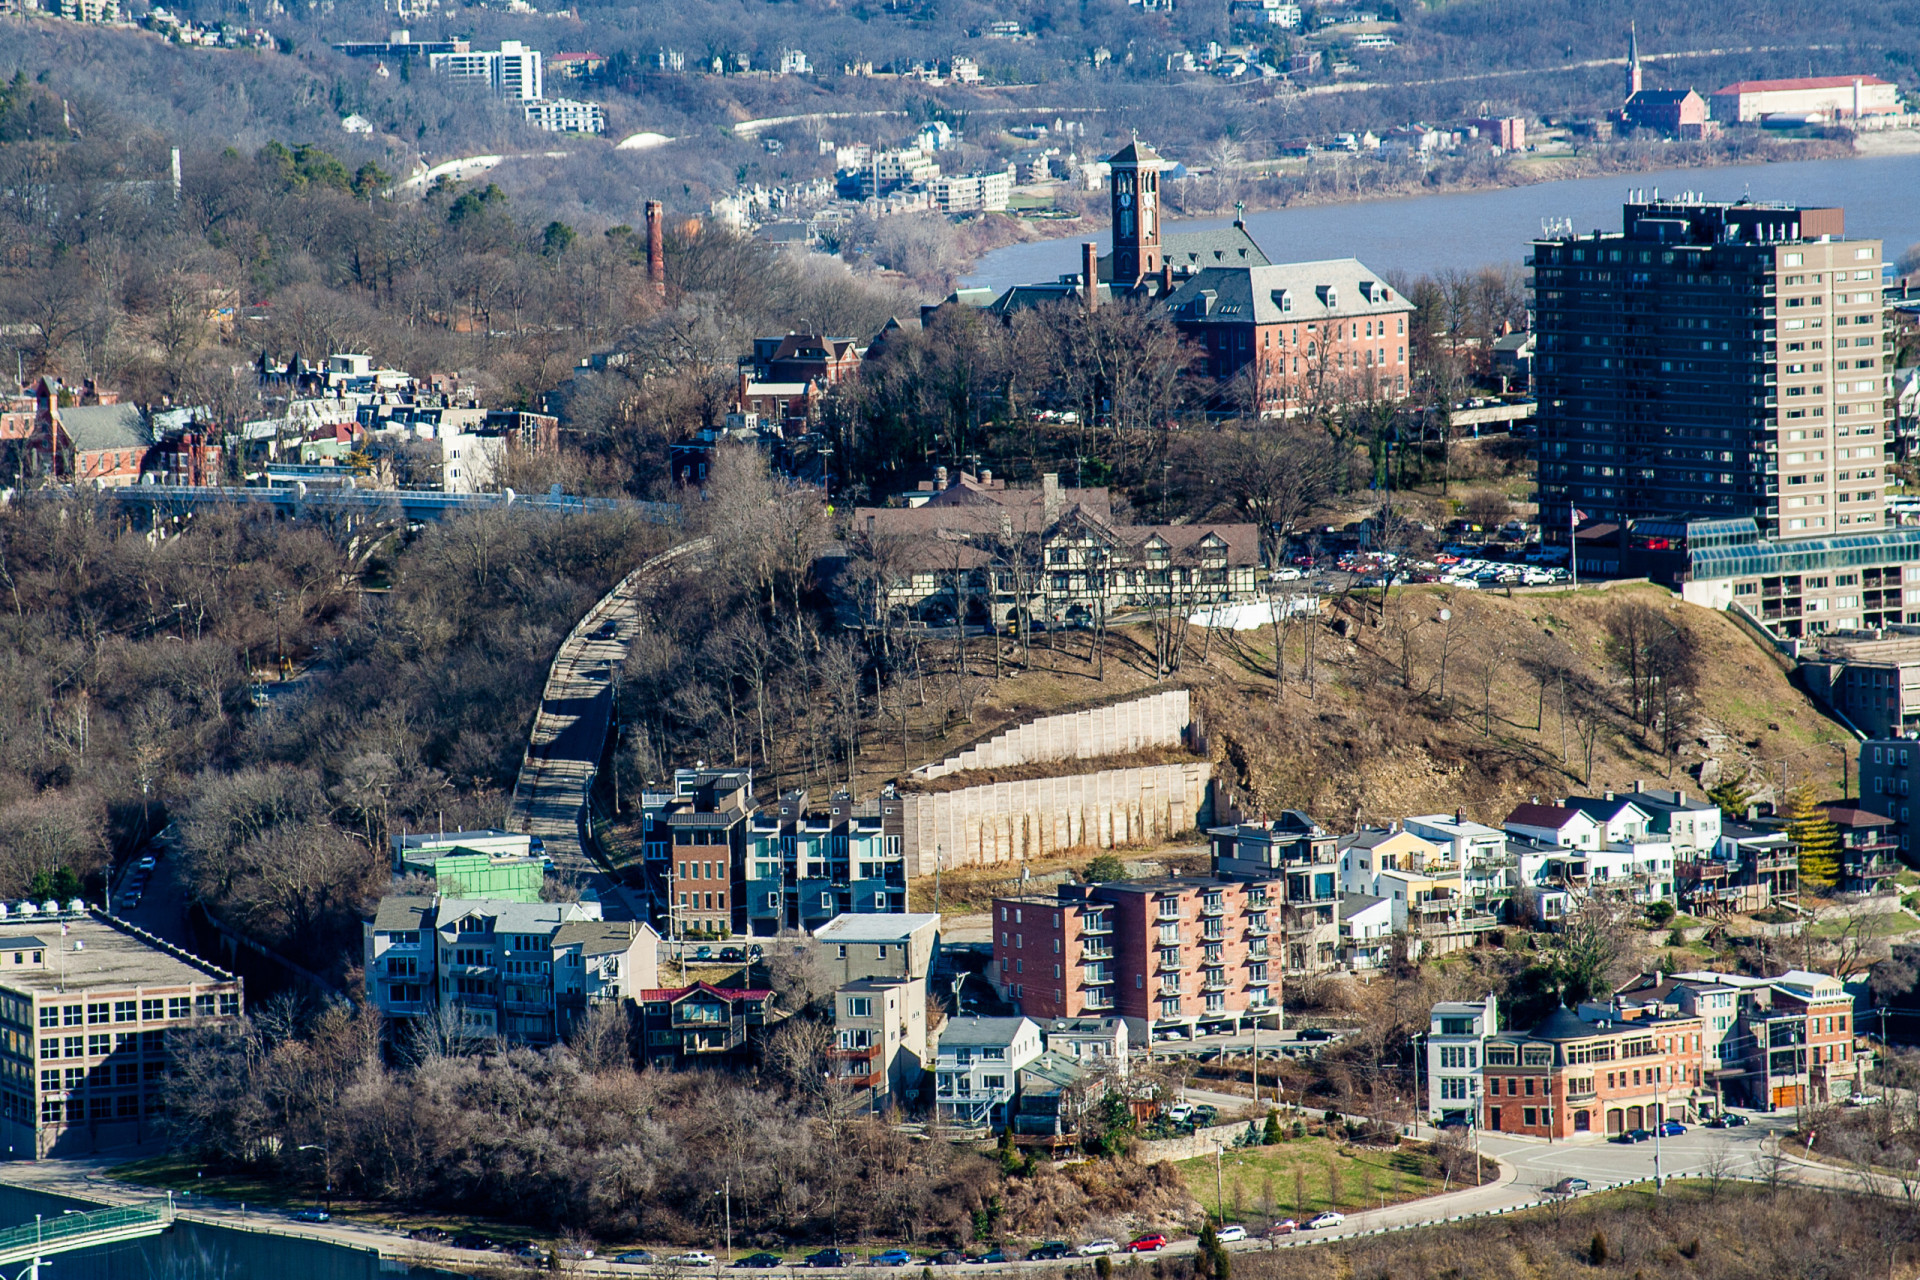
x,y
986,479
657,246
1050,496
1459,815
1090,272
1638,786
940,479
1166,279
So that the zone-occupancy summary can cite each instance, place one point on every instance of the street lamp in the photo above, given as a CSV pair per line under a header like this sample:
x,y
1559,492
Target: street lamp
x,y
326,1158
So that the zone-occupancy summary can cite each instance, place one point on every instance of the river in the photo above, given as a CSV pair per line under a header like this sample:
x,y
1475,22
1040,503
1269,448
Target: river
x,y
1427,234
200,1251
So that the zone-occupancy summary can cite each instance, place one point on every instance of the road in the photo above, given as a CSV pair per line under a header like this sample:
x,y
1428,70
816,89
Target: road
x,y
570,733
1526,1169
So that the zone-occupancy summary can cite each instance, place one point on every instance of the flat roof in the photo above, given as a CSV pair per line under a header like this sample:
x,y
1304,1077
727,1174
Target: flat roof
x,y
878,926
112,954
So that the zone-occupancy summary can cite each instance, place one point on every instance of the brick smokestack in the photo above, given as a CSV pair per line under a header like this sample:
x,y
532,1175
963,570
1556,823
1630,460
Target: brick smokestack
x,y
1090,271
657,246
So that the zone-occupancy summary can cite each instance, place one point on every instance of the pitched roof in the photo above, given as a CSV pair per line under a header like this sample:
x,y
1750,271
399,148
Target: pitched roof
x,y
1135,152
1659,97
1563,1024
1190,251
1286,292
1802,82
1847,814
1601,807
1551,816
105,426
600,937
402,913
655,995
21,941
982,1031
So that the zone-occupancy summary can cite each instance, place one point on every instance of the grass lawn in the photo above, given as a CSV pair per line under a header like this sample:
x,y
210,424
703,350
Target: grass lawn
x,y
1300,1178
1884,925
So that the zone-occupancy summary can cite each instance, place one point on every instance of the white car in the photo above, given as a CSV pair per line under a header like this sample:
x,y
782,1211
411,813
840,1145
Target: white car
x,y
692,1258
1094,1248
1287,573
1227,1235
1321,1221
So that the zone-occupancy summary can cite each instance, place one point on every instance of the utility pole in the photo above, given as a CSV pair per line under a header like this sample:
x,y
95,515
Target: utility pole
x,y
1219,1196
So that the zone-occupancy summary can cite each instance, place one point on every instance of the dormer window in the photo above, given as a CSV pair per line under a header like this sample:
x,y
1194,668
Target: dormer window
x,y
1329,295
1283,299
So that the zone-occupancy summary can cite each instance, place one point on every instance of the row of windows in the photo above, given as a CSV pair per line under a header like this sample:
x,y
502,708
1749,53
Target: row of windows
x,y
125,1106
101,1043
124,1074
151,1009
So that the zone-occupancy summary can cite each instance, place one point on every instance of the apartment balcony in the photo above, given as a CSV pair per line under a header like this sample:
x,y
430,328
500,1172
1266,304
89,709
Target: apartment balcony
x,y
1096,951
1098,1002
1212,908
1258,927
525,1004
471,970
1257,951
1169,911
715,1038
1581,1095
1100,926
1097,975
681,1022
1168,962
1213,980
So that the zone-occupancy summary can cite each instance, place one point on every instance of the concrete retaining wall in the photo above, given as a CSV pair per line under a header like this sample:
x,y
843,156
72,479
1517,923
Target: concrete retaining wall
x,y
1139,724
1009,821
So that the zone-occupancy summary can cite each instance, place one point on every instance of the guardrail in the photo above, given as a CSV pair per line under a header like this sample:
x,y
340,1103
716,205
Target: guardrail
x,y
412,501
72,1231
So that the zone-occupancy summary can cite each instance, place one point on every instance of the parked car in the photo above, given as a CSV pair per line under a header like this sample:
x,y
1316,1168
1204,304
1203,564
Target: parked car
x,y
1205,1114
1180,1112
1051,1251
991,1256
732,953
829,1258
891,1258
1568,1187
636,1258
573,1252
1321,1221
703,953
1094,1248
146,864
1152,1242
313,1215
1672,1129
1633,1135
1316,1033
1228,1234
762,1260
526,1249
691,1258
429,1235
474,1240
1284,1227
947,1258
1286,573
1727,1120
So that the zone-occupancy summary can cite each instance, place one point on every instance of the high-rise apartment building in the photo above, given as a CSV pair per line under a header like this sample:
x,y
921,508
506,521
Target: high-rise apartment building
x,y
1712,361
512,71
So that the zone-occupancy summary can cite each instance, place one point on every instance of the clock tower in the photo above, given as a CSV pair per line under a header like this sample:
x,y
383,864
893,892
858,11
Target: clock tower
x,y
1135,191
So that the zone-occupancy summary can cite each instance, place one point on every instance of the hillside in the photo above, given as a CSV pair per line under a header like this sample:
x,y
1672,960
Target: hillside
x,y
1375,735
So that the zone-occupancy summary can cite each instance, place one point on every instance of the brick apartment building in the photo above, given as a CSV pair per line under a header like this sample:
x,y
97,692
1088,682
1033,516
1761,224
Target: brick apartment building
x,y
1570,1077
694,848
1177,953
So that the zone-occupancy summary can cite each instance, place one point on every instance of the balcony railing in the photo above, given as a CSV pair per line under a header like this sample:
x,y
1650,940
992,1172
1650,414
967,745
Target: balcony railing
x,y
1096,951
1212,907
1096,926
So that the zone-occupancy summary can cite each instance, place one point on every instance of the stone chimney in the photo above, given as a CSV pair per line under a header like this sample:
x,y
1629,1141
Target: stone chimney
x,y
1090,272
940,479
1050,501
657,246
1166,279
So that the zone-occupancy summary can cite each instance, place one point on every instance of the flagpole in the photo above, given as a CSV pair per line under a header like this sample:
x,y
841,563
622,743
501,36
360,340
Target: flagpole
x,y
1573,542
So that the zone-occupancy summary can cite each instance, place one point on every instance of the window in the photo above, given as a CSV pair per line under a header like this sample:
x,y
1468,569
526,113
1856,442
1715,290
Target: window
x,y
71,1015
1528,1116
180,1007
859,1006
49,1015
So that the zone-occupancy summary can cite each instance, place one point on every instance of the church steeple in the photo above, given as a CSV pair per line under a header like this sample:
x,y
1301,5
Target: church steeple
x,y
1634,80
1134,188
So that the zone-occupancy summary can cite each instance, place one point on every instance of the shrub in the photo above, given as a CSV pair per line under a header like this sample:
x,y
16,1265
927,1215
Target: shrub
x,y
1597,1250
1660,912
1103,1267
1271,1134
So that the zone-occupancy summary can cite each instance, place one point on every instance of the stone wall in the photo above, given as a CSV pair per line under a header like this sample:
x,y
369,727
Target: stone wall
x,y
1201,1142
1138,724
1009,821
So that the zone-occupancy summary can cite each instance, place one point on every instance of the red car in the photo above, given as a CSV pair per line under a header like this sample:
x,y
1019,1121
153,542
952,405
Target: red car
x,y
1286,1227
1147,1244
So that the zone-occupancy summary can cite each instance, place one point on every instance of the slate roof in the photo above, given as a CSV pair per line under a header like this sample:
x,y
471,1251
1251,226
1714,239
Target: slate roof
x,y
1284,293
93,427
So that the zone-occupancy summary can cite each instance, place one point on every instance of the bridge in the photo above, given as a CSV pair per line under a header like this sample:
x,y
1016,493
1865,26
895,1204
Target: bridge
x,y
570,730
303,498
40,1239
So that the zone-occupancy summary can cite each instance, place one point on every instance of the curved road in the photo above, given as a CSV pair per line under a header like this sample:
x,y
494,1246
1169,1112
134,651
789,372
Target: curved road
x,y
1526,1169
570,734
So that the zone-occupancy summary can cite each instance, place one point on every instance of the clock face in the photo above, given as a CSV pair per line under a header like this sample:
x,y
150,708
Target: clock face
x,y
1126,199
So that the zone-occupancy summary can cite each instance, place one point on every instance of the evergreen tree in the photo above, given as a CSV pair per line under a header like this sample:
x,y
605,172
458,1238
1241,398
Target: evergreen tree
x,y
1815,838
1272,1134
1732,797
